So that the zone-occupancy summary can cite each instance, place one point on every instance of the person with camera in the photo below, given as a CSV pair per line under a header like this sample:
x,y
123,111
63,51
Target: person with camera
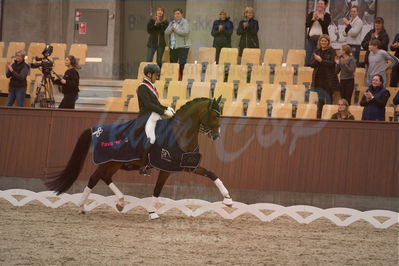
x,y
69,83
156,42
248,30
222,30
17,73
375,99
346,64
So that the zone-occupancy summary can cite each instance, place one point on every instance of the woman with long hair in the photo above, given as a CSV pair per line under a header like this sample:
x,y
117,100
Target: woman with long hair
x,y
69,83
346,64
343,111
156,41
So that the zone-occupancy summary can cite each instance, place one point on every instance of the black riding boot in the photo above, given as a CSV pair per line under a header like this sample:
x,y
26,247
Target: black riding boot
x,y
145,169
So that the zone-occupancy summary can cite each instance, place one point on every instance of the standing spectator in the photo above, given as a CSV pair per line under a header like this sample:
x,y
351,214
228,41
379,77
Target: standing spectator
x,y
324,78
374,100
379,33
396,99
221,31
377,61
343,111
179,43
346,64
353,32
17,72
317,24
395,70
248,30
156,42
69,83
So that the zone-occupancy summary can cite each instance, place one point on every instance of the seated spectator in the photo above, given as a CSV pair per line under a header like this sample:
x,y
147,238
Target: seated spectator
x,y
343,111
221,31
346,64
374,100
395,70
377,62
248,30
17,73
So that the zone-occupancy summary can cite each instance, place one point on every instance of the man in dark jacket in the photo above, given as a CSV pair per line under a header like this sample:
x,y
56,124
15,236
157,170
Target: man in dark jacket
x,y
374,100
221,31
17,72
149,105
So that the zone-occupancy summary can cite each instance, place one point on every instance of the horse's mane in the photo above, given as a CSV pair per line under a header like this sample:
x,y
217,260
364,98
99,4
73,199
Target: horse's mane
x,y
190,103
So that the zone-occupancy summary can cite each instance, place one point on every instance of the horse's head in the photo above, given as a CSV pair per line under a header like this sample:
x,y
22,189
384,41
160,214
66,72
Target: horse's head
x,y
209,120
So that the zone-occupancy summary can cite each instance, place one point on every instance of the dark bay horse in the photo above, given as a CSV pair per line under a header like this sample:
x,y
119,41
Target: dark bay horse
x,y
200,115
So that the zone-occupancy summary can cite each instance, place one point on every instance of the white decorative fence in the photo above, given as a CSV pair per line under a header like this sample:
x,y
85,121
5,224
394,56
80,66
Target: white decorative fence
x,y
263,211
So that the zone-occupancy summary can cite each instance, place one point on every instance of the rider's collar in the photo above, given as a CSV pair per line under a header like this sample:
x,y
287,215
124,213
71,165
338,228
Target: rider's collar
x,y
149,81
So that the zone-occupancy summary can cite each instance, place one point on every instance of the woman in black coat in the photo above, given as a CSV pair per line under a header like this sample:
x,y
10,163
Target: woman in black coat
x,y
222,30
324,78
156,41
69,83
248,30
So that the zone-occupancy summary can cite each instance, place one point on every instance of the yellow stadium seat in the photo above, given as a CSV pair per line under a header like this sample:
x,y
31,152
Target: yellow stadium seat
x,y
214,72
313,97
59,51
284,74
296,57
356,111
282,110
304,75
273,57
271,92
160,85
177,89
238,73
226,90
360,77
393,92
206,54
260,73
306,111
14,47
250,56
115,104
257,109
247,92
329,110
3,65
4,84
200,89
169,71
1,49
190,56
192,71
166,55
133,105
59,67
233,109
129,88
79,50
389,114
295,93
362,56
35,50
228,55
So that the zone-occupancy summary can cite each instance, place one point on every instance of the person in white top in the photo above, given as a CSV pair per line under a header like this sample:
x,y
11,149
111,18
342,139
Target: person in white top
x,y
353,32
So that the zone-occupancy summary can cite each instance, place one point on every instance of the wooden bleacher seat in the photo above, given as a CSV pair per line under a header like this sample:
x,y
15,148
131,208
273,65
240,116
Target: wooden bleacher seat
x,y
356,111
360,77
296,57
233,108
14,47
226,90
169,71
304,75
329,110
59,51
214,72
35,50
271,92
116,104
133,105
79,50
206,54
250,56
295,93
273,57
238,73
284,74
389,114
228,55
192,71
306,111
257,109
247,92
260,73
282,110
129,88
200,89
177,89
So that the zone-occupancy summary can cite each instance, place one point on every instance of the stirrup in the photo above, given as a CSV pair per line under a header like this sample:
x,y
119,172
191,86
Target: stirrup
x,y
145,170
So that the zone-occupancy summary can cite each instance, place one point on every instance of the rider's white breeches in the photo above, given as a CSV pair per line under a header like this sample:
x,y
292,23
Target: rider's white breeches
x,y
150,126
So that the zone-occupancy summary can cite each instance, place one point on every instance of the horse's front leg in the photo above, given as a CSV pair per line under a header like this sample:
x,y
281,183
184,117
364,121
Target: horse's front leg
x,y
219,184
162,177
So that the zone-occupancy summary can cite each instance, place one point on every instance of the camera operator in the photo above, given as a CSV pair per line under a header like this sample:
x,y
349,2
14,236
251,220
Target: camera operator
x,y
69,83
17,72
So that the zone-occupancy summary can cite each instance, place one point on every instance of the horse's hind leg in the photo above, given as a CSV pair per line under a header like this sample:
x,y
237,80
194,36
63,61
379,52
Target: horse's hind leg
x,y
162,177
109,170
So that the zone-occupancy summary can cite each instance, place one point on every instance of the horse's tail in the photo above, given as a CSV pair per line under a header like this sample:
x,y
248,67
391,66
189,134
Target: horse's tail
x,y
64,180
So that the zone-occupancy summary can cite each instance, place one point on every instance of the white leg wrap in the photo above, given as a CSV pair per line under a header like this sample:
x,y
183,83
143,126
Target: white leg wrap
x,y
150,126
85,195
221,188
116,191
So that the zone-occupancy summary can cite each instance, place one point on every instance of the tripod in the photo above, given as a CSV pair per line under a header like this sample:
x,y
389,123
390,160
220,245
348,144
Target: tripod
x,y
44,93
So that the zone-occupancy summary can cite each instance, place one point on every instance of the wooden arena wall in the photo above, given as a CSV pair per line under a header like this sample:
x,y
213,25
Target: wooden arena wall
x,y
310,156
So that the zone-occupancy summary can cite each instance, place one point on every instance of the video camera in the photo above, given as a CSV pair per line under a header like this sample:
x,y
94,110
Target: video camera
x,y
45,63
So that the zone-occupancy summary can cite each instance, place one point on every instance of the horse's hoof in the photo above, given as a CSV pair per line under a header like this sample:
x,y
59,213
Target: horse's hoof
x,y
120,207
153,215
82,210
228,202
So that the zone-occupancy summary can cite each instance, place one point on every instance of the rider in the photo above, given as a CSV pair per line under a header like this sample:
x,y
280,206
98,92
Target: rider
x,y
148,103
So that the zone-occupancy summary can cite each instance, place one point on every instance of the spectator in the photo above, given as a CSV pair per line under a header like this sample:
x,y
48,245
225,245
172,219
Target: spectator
x,y
343,111
317,24
377,61
69,83
221,31
395,70
353,32
17,72
346,64
156,42
374,100
248,30
179,42
379,33
324,78
396,99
